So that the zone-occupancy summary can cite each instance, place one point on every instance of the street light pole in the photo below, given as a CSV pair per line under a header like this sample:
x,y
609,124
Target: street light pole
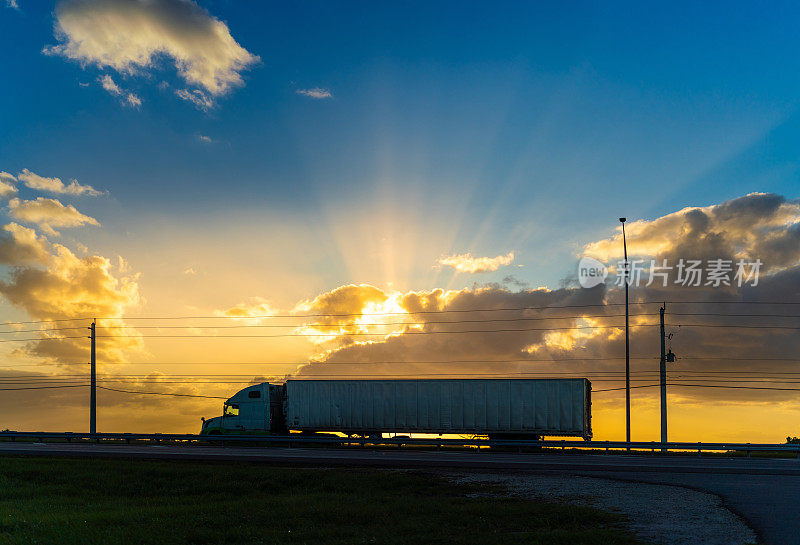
x,y
627,343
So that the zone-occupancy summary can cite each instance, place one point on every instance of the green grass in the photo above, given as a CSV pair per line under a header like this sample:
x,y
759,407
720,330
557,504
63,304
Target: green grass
x,y
86,501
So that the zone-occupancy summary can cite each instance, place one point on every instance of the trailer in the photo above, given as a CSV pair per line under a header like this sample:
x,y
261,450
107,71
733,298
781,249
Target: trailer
x,y
501,408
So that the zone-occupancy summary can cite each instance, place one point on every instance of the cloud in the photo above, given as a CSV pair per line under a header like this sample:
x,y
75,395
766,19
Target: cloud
x,y
21,246
259,308
131,36
197,97
64,292
12,4
587,340
468,264
315,92
7,184
345,299
49,213
49,282
758,225
55,185
512,280
127,98
110,85
338,307
411,332
133,100
204,139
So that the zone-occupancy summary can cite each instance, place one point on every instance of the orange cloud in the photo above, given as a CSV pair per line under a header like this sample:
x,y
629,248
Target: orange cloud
x,y
21,245
256,310
51,283
346,314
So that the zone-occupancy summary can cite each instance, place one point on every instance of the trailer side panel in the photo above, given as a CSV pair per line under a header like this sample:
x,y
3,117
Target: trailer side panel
x,y
497,406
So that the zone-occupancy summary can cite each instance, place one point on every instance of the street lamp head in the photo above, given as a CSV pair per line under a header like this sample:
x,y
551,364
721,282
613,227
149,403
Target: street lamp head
x,y
622,220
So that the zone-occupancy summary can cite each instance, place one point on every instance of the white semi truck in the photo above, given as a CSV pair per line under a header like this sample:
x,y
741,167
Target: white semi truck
x,y
499,408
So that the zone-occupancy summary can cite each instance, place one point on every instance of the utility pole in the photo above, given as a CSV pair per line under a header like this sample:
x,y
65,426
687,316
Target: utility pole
x,y
663,373
93,385
627,344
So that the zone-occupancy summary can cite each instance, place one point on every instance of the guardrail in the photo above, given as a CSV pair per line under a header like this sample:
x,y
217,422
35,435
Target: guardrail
x,y
330,440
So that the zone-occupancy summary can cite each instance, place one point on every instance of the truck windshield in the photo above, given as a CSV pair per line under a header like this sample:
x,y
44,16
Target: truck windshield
x,y
231,410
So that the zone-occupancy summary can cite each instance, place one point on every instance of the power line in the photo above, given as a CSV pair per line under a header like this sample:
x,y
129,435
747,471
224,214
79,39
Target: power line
x,y
623,388
281,379
226,375
346,314
158,393
47,321
357,324
597,372
592,372
738,387
734,326
184,379
350,324
753,358
405,333
42,339
725,302
446,311
332,362
729,315
705,386
435,322
433,362
484,320
220,397
44,387
192,379
509,375
15,331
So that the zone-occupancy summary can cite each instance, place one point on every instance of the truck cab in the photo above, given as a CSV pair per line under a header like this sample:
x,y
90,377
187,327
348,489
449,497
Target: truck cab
x,y
257,409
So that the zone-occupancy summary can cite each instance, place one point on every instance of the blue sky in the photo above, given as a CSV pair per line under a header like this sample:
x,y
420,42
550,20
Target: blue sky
x,y
517,127
228,159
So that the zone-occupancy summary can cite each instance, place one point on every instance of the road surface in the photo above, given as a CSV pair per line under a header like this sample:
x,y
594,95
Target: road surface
x,y
766,492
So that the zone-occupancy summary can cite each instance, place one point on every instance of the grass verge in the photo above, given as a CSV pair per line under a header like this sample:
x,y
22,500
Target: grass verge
x,y
87,501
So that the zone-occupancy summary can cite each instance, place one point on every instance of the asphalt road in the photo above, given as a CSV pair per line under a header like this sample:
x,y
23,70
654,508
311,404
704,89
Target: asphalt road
x,y
765,492
769,503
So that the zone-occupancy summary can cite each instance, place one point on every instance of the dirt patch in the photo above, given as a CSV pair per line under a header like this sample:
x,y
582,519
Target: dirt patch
x,y
670,515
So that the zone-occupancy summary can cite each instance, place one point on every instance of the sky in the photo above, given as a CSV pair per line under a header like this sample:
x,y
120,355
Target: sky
x,y
173,159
